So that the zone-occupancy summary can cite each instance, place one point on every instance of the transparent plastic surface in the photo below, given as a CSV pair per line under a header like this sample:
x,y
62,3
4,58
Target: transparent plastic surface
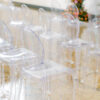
x,y
76,50
5,45
73,41
30,50
19,56
93,74
52,37
21,36
5,34
32,21
91,78
26,54
75,44
16,24
26,14
69,30
32,42
17,15
43,83
85,92
88,87
21,16
5,38
5,85
9,82
96,26
52,47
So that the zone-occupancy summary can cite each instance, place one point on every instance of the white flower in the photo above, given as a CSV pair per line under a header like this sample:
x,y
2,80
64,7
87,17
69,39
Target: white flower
x,y
92,6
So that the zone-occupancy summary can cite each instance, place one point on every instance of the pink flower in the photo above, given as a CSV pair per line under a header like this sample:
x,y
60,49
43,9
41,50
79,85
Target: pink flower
x,y
76,1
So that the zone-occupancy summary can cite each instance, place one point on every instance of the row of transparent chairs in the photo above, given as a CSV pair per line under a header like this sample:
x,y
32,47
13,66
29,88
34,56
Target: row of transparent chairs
x,y
36,72
13,59
18,53
18,57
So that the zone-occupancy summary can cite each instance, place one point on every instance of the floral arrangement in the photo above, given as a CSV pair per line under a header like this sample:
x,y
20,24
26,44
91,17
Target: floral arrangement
x,y
82,15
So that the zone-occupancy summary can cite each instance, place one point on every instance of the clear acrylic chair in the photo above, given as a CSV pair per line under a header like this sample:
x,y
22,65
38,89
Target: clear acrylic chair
x,y
20,18
24,55
12,16
28,44
90,87
77,50
18,25
75,43
52,36
43,82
